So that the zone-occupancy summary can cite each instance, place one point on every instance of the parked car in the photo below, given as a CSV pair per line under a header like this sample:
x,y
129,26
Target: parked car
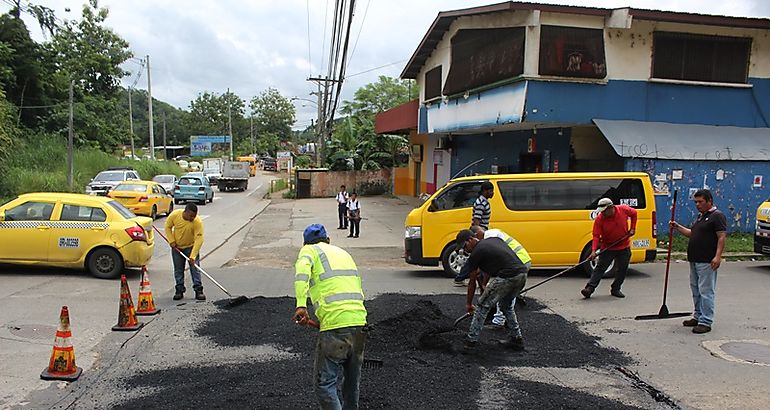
x,y
143,198
183,164
105,181
193,188
167,181
270,164
194,166
74,231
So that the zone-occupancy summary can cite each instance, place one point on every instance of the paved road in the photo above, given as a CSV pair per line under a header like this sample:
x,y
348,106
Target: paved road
x,y
30,298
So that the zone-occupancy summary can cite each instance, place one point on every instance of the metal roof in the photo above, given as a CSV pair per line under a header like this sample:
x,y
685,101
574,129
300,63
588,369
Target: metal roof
x,y
661,140
444,19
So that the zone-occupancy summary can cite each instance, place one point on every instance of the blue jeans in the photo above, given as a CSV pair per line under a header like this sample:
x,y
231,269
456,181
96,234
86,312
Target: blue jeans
x,y
703,283
179,263
500,291
338,360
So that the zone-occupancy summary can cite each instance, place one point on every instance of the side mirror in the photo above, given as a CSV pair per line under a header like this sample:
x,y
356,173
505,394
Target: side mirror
x,y
433,207
92,180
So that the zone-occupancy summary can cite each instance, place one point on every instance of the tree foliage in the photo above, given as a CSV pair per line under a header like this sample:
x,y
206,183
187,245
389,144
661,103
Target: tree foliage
x,y
273,113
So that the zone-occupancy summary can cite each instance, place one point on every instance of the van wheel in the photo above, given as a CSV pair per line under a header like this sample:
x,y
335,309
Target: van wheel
x,y
452,261
105,263
589,267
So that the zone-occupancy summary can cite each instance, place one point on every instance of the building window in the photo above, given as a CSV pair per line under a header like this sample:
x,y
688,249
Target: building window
x,y
680,56
433,83
572,52
484,56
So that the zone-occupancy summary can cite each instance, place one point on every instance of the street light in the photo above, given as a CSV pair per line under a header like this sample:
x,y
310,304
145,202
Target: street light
x,y
303,99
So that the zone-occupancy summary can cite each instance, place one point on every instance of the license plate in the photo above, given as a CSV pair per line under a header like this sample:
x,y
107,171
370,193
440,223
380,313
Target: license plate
x,y
641,243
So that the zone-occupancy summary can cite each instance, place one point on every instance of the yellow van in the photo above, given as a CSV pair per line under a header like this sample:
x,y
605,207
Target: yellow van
x,y
252,164
762,229
551,214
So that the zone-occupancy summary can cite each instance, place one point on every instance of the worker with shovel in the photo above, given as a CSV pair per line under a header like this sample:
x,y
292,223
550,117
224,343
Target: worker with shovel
x,y
184,231
508,275
611,227
330,276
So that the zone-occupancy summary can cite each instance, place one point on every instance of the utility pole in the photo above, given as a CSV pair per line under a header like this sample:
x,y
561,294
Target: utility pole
x,y
149,105
131,123
230,124
251,131
323,129
165,147
71,141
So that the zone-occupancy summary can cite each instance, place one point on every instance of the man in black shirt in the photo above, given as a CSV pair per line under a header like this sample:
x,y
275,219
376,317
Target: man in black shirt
x,y
508,276
704,252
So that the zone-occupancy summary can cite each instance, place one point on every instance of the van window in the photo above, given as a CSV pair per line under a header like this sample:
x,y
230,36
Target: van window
x,y
550,195
462,195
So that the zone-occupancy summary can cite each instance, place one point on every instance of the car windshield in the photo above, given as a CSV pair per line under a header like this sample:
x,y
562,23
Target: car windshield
x,y
163,178
109,176
122,210
131,188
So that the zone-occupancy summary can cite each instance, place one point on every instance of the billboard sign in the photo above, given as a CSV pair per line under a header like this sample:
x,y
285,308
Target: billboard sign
x,y
209,145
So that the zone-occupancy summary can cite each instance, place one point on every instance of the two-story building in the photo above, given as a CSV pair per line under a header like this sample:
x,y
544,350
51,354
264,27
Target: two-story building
x,y
525,87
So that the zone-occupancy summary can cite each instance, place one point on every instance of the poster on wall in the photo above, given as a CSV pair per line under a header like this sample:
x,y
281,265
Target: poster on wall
x,y
757,181
660,184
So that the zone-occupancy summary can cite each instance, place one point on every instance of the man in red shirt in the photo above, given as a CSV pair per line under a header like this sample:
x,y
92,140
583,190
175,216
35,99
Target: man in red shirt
x,y
610,226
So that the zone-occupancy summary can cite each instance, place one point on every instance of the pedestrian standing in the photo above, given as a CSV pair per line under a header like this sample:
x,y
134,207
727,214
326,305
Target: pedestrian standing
x,y
330,277
482,211
612,235
184,230
354,215
342,207
704,252
508,275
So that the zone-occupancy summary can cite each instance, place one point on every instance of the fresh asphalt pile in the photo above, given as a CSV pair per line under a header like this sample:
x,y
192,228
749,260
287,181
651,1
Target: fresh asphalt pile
x,y
424,365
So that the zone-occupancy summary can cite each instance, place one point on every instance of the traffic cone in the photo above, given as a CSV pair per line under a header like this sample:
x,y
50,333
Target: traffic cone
x,y
145,304
62,363
126,313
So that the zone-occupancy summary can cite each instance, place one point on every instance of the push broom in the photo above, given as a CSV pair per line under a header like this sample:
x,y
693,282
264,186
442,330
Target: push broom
x,y
664,313
234,301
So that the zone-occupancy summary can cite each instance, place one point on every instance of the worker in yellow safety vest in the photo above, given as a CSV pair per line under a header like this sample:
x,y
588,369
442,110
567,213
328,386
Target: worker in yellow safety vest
x,y
330,277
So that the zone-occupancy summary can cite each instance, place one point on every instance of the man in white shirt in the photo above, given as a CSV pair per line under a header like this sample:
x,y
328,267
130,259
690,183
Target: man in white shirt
x,y
342,207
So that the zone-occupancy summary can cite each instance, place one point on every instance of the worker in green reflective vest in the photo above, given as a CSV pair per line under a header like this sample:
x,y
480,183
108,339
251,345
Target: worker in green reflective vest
x,y
330,277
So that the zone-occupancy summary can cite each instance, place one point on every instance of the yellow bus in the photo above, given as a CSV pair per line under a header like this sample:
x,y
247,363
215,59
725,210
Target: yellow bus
x,y
551,214
252,164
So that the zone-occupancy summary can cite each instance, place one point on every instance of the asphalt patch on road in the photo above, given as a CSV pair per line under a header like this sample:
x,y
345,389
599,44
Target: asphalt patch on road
x,y
424,364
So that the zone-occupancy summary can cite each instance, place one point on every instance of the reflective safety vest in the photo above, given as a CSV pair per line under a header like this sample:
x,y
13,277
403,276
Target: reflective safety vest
x,y
517,248
330,276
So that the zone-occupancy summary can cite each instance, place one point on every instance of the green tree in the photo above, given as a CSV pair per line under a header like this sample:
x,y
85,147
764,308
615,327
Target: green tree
x,y
8,130
379,96
273,113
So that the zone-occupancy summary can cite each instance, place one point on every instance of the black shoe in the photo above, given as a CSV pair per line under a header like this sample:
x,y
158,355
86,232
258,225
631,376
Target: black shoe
x,y
617,293
700,329
178,296
515,343
469,344
199,295
587,291
355,236
690,323
350,236
340,227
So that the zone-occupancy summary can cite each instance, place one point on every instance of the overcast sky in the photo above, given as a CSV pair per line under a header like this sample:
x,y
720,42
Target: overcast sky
x,y
248,46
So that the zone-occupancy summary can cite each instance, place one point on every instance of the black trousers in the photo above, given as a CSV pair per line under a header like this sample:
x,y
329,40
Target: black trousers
x,y
621,258
355,225
342,210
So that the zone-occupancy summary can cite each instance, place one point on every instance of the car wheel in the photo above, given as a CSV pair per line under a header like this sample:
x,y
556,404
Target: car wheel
x,y
452,261
154,213
589,267
212,197
105,263
170,209
177,202
202,202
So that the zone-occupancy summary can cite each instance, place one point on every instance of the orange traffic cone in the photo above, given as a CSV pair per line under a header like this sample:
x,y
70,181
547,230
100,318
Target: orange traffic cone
x,y
62,363
126,313
145,304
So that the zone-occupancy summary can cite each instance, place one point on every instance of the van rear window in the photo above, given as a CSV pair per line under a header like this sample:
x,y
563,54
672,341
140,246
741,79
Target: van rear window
x,y
561,195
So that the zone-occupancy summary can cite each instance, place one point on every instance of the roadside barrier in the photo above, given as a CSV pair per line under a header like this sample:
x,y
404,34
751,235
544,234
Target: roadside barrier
x,y
126,313
62,363
145,304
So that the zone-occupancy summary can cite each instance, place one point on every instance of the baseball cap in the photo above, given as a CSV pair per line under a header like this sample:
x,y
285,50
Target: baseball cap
x,y
463,237
313,233
603,204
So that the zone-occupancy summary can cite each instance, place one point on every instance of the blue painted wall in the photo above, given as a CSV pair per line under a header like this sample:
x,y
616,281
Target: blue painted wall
x,y
735,195
504,148
564,102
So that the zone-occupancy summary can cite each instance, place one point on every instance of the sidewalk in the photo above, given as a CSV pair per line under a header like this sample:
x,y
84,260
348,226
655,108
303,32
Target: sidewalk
x,y
275,237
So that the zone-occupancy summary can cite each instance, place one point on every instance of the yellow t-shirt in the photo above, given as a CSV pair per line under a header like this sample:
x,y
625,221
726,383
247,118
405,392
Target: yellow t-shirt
x,y
185,234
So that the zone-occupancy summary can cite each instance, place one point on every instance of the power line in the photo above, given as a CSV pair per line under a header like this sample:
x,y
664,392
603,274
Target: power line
x,y
363,20
323,39
309,57
377,68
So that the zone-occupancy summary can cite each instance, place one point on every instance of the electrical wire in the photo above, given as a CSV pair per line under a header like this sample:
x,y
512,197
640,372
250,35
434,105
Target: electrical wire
x,y
323,39
363,20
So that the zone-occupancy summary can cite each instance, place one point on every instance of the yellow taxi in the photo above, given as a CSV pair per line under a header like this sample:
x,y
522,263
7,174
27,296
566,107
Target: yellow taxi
x,y
147,198
74,231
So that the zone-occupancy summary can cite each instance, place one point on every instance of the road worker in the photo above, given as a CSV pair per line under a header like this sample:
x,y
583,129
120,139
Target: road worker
x,y
329,275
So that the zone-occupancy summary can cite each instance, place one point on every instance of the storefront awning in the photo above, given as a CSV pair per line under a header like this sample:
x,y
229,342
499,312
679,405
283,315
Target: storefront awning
x,y
660,140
